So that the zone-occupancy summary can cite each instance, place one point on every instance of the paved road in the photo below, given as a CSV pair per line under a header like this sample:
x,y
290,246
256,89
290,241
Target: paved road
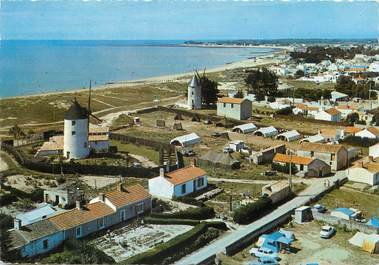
x,y
236,235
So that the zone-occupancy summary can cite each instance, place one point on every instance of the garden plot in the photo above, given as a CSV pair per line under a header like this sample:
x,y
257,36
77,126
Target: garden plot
x,y
129,241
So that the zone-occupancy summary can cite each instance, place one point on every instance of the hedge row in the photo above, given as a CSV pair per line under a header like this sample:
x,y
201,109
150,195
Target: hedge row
x,y
153,220
200,213
44,165
358,141
168,248
252,211
14,194
189,200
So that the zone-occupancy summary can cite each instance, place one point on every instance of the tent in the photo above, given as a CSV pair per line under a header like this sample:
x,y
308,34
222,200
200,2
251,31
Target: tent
x,y
186,140
217,159
289,136
266,131
374,222
368,242
245,128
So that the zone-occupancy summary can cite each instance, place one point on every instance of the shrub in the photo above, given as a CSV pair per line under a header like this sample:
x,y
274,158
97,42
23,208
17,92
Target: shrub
x,y
6,221
284,168
7,198
170,221
200,213
190,200
250,212
60,179
358,141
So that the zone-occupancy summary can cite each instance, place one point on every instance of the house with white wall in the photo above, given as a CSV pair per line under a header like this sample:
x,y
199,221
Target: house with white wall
x,y
365,172
373,151
234,108
331,114
178,183
371,133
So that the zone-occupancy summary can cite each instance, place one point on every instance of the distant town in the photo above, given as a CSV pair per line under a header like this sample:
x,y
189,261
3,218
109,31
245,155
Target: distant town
x,y
271,160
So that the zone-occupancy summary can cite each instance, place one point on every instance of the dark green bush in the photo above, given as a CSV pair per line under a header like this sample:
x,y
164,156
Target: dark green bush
x,y
190,200
7,198
252,211
200,213
284,168
358,141
154,220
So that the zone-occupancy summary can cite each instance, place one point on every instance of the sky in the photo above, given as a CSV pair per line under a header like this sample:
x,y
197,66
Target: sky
x,y
187,20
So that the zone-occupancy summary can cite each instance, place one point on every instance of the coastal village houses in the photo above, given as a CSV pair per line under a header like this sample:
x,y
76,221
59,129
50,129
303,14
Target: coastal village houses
x,y
102,212
365,171
178,183
331,114
334,155
306,166
234,108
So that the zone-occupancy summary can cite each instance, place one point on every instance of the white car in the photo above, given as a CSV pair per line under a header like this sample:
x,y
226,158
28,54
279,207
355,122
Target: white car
x,y
264,253
327,231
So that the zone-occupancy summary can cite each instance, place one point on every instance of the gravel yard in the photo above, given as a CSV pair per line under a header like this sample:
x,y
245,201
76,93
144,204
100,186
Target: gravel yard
x,y
130,240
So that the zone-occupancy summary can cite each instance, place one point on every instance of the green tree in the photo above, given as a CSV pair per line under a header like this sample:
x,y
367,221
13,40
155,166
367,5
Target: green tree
x,y
352,118
209,89
299,73
239,94
262,82
16,132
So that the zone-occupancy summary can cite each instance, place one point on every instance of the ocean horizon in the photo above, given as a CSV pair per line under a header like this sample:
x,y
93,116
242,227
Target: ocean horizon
x,y
30,67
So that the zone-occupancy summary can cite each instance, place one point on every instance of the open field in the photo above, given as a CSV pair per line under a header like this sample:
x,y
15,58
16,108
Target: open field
x,y
310,248
34,110
367,203
310,85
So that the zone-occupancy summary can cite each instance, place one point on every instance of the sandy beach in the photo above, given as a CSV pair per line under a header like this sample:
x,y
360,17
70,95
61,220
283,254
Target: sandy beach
x,y
181,77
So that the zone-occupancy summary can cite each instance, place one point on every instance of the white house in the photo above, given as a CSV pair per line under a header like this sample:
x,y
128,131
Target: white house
x,y
245,128
331,114
186,140
338,96
266,131
289,136
371,133
365,172
235,108
373,151
178,183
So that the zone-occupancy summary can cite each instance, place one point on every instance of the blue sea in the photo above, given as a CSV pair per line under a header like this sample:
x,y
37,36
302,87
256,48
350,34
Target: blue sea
x,y
32,67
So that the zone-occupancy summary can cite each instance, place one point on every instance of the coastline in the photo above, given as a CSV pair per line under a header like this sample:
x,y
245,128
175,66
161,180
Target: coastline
x,y
180,77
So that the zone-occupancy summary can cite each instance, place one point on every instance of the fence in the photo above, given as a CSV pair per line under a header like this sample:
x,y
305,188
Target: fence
x,y
140,141
44,165
350,225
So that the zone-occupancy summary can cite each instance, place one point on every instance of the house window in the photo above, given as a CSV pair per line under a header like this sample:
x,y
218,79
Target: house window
x,y
200,182
183,188
101,222
231,105
73,133
224,105
45,244
73,123
139,208
78,231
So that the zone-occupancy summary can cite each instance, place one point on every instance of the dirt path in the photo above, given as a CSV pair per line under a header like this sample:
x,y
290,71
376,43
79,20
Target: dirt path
x,y
144,161
3,164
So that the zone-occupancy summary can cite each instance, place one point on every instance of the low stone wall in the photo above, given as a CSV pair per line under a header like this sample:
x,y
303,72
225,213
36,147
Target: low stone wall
x,y
350,225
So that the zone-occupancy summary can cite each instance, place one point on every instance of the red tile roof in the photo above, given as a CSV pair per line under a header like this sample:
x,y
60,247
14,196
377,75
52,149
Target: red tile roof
x,y
127,195
230,100
298,160
77,217
332,111
183,175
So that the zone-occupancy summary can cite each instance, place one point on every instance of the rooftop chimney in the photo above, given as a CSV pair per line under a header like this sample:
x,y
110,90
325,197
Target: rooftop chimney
x,y
120,187
102,197
79,204
161,172
17,224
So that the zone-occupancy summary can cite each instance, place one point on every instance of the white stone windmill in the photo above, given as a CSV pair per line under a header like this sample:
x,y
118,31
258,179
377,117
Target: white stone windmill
x,y
76,129
194,93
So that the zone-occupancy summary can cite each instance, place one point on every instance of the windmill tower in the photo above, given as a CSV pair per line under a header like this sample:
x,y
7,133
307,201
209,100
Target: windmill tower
x,y
76,130
194,93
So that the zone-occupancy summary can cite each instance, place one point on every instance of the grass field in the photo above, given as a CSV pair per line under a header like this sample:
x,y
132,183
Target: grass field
x,y
141,150
368,204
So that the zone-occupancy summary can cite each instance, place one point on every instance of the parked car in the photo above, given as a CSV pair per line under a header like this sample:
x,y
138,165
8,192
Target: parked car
x,y
360,220
327,231
264,253
263,261
319,208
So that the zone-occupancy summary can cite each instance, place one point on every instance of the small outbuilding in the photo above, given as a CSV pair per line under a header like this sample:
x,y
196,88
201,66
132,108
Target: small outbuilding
x,y
345,213
289,136
303,214
219,160
245,128
186,140
368,242
277,191
266,131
